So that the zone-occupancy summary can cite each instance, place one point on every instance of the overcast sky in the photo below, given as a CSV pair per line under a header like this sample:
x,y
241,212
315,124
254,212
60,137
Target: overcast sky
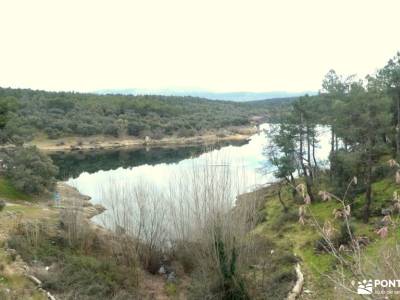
x,y
217,45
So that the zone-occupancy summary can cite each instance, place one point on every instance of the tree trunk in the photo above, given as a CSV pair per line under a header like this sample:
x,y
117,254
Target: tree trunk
x,y
398,127
332,152
303,166
292,183
309,185
336,143
285,209
313,155
310,170
368,193
301,148
292,179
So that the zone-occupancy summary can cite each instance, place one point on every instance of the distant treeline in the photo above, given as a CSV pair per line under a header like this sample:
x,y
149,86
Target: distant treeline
x,y
60,114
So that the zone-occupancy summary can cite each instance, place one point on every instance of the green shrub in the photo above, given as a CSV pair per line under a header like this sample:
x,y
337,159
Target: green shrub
x,y
285,218
29,170
345,234
230,286
185,132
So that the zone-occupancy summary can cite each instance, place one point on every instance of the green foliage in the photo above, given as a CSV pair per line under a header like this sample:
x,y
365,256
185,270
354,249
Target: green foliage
x,y
8,191
345,234
290,216
389,76
66,114
360,117
344,166
231,286
171,289
7,106
29,170
282,151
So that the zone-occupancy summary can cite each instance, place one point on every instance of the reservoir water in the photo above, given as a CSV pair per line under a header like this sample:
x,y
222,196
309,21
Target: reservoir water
x,y
92,173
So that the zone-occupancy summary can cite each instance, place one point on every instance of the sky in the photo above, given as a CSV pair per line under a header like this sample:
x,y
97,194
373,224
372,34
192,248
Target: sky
x,y
215,45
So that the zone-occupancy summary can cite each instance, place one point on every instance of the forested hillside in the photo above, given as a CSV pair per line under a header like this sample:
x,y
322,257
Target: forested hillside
x,y
341,219
336,223
363,117
65,114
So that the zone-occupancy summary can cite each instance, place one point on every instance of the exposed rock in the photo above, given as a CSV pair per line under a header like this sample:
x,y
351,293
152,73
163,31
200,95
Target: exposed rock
x,y
161,271
100,208
12,253
386,211
147,140
86,204
34,280
171,278
72,198
94,210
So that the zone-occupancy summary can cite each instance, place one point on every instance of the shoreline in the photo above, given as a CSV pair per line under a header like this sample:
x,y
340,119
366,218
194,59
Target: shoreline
x,y
107,143
74,199
71,197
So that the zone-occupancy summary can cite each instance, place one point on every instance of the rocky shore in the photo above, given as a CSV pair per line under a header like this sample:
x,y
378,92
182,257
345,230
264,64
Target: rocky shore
x,y
72,198
103,142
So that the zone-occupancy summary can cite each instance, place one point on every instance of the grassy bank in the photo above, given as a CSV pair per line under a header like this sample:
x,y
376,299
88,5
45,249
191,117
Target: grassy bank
x,y
14,284
8,192
281,242
320,267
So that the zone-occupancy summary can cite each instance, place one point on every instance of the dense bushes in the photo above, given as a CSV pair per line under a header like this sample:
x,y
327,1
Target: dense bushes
x,y
28,169
63,114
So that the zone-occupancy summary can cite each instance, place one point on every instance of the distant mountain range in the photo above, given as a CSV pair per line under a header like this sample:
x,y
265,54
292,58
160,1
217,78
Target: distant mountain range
x,y
230,96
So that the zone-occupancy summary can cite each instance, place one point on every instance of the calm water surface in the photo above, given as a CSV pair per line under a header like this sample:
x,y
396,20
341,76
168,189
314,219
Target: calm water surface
x,y
93,172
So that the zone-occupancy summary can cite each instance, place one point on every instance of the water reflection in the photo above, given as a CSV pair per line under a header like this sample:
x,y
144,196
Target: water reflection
x,y
72,164
92,173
